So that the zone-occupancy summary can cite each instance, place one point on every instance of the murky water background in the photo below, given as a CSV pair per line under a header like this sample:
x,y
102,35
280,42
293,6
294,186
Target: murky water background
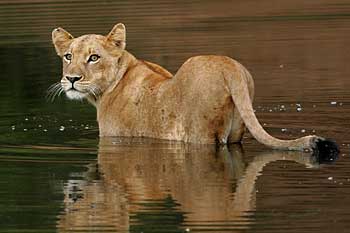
x,y
57,176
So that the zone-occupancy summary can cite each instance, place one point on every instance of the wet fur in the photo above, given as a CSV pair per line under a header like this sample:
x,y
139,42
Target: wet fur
x,y
208,100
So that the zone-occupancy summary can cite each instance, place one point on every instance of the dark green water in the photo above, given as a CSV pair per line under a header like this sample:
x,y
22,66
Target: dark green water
x,y
57,176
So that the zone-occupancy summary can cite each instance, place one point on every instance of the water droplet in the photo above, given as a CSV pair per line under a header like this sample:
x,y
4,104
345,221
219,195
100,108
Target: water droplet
x,y
86,127
303,130
333,102
25,130
62,128
45,130
299,109
284,130
26,119
330,178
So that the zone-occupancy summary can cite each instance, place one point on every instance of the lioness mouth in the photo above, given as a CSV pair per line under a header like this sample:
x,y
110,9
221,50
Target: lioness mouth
x,y
73,89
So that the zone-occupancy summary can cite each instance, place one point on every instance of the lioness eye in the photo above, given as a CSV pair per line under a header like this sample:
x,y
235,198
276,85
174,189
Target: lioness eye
x,y
93,58
68,56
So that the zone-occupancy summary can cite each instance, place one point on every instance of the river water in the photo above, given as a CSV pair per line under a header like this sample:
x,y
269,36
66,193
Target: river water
x,y
57,176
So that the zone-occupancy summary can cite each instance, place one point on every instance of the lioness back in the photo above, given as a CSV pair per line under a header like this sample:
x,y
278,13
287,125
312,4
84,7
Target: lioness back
x,y
204,103
193,106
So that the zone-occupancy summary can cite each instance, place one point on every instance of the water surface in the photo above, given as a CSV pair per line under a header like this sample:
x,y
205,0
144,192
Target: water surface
x,y
56,175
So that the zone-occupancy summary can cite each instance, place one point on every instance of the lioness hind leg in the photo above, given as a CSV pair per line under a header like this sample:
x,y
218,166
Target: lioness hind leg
x,y
237,128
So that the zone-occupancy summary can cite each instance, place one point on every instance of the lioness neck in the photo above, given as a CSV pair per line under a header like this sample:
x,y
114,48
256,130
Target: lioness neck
x,y
124,63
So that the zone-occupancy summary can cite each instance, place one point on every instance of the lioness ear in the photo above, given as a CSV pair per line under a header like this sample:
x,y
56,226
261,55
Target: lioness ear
x,y
61,40
117,35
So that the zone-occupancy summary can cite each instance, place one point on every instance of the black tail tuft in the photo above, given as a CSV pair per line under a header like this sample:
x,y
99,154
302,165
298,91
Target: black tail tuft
x,y
326,151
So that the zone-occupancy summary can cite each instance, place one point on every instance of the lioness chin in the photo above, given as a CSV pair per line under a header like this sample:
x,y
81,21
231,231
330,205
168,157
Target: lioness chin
x,y
209,99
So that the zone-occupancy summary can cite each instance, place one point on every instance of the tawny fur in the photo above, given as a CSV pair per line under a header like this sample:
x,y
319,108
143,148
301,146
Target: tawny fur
x,y
208,100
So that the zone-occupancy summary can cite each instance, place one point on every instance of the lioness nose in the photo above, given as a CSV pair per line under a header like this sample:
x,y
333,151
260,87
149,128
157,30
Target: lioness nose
x,y
73,79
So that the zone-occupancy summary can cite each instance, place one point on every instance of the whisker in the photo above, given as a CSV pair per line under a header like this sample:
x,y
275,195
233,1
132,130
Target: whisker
x,y
91,90
56,94
96,90
53,91
54,85
59,94
52,97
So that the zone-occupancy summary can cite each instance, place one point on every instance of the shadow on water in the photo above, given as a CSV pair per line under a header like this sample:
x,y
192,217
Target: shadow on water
x,y
147,186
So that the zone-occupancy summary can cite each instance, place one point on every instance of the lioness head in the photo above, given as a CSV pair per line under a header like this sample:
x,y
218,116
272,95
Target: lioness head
x,y
89,62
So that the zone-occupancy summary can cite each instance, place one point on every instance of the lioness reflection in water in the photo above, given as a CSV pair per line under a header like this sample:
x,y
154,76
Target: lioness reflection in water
x,y
150,185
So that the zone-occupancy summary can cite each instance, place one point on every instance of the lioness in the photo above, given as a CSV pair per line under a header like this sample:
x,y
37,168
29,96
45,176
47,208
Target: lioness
x,y
209,99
